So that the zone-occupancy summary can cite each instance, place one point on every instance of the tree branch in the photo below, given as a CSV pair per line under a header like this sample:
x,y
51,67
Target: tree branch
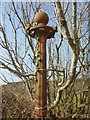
x,y
14,71
61,18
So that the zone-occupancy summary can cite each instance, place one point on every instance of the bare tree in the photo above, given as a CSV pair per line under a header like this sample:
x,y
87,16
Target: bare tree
x,y
17,48
73,39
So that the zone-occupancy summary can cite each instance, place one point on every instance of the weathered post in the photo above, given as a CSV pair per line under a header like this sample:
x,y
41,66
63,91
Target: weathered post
x,y
41,32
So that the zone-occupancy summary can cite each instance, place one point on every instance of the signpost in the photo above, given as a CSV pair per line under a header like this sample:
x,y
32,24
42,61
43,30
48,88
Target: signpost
x,y
41,32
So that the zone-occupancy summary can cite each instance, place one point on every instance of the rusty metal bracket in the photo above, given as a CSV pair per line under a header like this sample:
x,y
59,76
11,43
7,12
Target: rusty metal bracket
x,y
49,31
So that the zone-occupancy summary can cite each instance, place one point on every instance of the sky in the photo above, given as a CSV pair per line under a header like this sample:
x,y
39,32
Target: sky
x,y
45,0
63,51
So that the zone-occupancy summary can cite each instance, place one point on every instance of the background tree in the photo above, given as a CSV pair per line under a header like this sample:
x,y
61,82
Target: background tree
x,y
66,53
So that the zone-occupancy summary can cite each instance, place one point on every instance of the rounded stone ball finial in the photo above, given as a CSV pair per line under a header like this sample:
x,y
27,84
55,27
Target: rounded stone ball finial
x,y
41,17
